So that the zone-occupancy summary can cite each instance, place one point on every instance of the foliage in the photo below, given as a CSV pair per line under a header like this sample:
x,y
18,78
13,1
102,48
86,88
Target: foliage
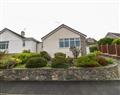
x,y
93,48
116,41
105,41
109,60
59,62
25,56
2,54
26,51
70,61
75,51
60,54
102,61
45,55
85,61
8,62
36,62
92,60
97,53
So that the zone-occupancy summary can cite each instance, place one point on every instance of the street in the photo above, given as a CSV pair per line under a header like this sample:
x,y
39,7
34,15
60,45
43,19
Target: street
x,y
60,88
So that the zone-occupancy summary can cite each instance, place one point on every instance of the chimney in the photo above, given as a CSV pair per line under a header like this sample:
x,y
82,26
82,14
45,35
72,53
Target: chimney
x,y
23,33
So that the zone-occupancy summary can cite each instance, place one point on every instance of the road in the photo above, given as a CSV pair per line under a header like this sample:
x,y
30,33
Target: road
x,y
60,88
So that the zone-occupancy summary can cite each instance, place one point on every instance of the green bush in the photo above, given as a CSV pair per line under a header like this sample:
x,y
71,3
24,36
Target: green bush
x,y
105,41
92,60
116,41
25,56
97,53
45,55
2,54
93,48
85,61
70,61
109,60
36,62
60,54
26,51
59,62
91,56
8,62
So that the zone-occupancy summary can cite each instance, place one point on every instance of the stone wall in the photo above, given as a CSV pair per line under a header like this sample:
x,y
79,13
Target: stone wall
x,y
72,74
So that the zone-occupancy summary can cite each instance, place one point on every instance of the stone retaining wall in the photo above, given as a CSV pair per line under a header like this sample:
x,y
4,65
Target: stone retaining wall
x,y
72,74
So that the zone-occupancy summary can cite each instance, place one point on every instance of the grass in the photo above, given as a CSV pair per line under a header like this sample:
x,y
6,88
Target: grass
x,y
20,66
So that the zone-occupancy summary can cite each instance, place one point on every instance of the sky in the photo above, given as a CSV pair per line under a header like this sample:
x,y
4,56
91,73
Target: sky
x,y
38,17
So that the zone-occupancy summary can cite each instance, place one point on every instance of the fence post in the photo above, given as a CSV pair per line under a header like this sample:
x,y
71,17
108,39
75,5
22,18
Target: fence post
x,y
107,49
101,48
116,49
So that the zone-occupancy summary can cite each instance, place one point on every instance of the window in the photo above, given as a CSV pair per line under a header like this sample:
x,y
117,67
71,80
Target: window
x,y
69,42
66,42
72,43
4,45
77,42
61,43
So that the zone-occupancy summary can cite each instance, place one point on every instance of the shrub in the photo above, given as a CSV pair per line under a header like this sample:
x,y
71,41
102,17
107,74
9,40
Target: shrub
x,y
59,62
69,61
7,63
85,61
60,54
97,53
2,54
36,62
105,41
45,55
26,51
93,48
102,61
109,60
25,56
116,41
91,56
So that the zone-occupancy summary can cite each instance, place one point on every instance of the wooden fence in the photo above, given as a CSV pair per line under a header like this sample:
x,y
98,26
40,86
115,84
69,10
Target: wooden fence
x,y
110,49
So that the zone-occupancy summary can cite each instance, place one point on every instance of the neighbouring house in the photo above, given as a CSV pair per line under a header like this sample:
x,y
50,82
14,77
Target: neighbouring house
x,y
112,35
16,43
62,38
90,42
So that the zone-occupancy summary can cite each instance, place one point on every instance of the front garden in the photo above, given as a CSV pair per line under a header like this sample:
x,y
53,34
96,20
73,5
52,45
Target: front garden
x,y
29,66
44,60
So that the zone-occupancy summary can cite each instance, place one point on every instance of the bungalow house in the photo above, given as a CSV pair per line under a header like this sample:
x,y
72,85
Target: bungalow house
x,y
62,38
58,40
16,43
112,35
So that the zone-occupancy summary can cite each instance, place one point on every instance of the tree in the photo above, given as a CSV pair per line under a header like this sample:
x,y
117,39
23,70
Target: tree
x,y
105,41
116,41
75,51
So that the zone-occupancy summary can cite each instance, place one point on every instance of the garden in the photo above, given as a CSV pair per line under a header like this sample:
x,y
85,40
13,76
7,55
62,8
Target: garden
x,y
42,67
44,60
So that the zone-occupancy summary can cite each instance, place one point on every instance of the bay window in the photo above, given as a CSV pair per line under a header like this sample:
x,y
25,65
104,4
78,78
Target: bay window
x,y
69,42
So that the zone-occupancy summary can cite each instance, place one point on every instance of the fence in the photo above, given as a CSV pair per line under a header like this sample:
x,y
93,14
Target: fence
x,y
110,49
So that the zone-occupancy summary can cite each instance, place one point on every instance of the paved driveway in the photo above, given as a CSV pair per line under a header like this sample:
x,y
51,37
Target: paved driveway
x,y
61,88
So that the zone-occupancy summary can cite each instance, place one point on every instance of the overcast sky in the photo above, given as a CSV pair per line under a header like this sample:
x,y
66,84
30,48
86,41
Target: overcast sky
x,y
38,17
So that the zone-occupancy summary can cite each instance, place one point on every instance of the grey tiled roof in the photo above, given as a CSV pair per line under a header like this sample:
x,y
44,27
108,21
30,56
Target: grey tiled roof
x,y
63,26
25,38
116,34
